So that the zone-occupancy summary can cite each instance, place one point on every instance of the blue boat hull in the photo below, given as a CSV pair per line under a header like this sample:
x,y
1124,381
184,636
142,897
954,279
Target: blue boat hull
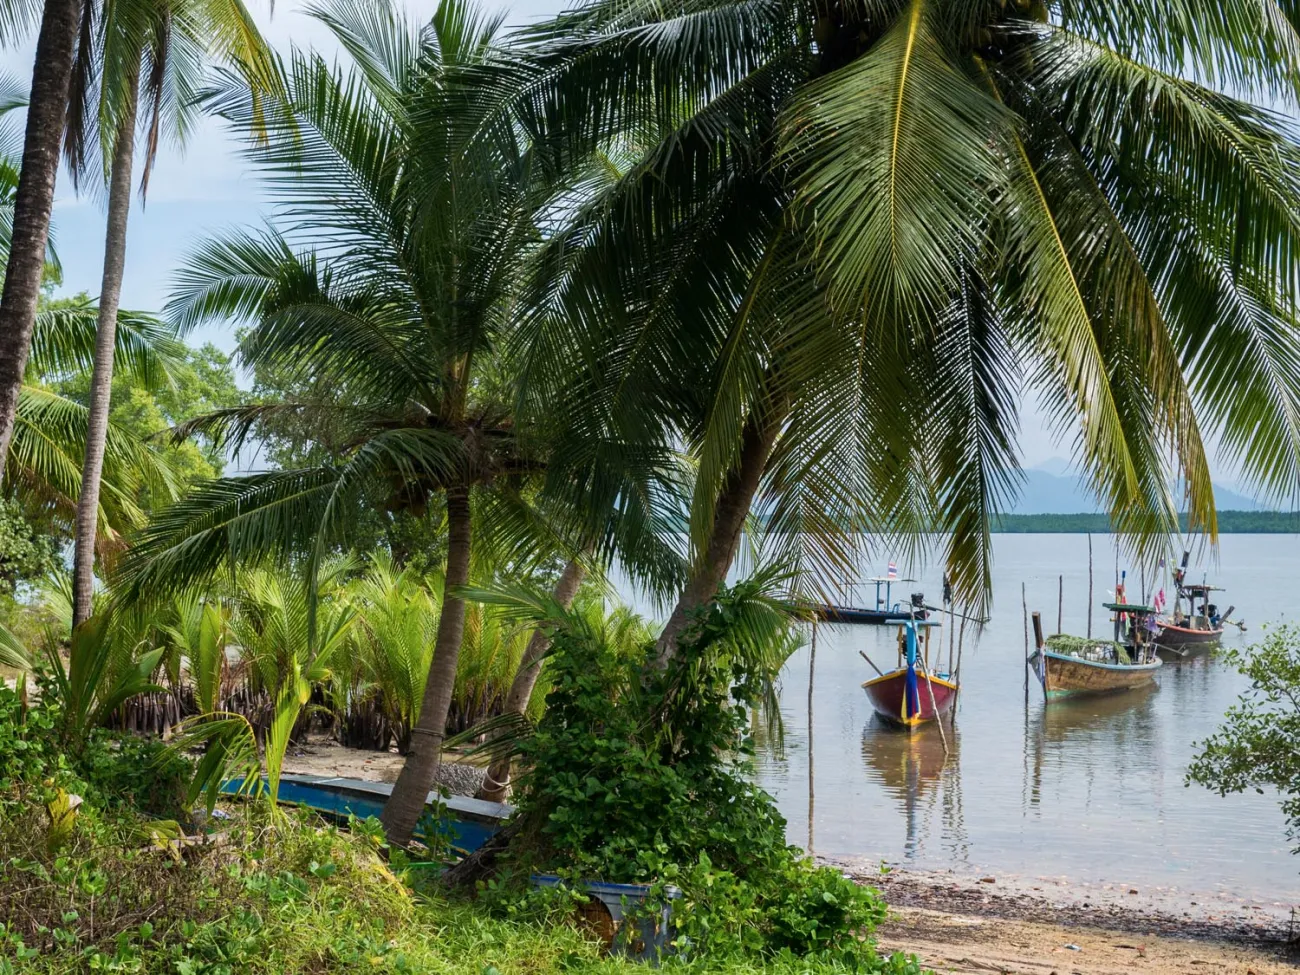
x,y
467,823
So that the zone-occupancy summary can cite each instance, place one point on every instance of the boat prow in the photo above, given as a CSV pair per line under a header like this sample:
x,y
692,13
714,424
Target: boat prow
x,y
889,698
912,695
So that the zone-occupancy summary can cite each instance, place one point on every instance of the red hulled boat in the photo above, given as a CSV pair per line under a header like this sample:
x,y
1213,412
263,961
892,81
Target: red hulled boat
x,y
912,695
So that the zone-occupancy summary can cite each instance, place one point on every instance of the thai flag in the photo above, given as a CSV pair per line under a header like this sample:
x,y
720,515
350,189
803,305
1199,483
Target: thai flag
x,y
893,571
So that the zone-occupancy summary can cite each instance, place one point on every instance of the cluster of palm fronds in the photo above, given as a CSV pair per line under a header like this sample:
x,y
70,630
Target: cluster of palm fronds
x,y
231,647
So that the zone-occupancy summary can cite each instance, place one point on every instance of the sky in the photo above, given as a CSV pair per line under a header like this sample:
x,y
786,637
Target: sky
x,y
205,187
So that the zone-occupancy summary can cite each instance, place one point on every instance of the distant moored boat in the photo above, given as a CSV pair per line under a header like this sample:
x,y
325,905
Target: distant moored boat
x,y
884,612
1199,628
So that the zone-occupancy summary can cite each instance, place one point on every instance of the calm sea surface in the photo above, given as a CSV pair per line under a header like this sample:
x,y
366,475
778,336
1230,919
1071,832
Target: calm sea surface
x,y
1089,789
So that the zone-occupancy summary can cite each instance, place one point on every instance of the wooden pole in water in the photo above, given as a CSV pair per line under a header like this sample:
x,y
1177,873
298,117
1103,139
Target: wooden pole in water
x,y
929,682
956,674
1024,605
1042,650
1060,601
1089,585
812,667
952,639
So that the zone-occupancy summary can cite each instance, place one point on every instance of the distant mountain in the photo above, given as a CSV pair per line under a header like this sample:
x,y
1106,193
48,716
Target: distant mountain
x,y
1050,489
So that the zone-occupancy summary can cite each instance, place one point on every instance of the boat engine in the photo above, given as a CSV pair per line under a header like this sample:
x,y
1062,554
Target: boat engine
x,y
918,600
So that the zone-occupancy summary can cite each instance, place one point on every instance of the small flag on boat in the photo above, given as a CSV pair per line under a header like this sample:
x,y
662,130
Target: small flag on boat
x,y
893,571
1160,601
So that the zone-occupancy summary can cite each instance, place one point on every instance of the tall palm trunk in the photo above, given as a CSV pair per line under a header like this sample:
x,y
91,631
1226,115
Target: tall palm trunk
x,y
497,779
46,112
404,806
729,513
101,380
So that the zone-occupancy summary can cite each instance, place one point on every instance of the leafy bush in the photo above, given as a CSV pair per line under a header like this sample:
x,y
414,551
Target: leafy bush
x,y
26,552
139,773
635,778
1259,742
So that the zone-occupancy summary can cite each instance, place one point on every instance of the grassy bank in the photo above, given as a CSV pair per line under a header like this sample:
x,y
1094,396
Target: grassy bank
x,y
283,895
106,865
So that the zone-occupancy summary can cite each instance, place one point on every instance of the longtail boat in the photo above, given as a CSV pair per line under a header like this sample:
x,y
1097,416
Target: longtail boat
x,y
1187,633
1069,665
885,611
913,694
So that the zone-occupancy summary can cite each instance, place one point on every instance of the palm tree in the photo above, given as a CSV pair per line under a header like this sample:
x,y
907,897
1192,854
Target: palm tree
x,y
51,77
50,431
387,275
848,234
168,41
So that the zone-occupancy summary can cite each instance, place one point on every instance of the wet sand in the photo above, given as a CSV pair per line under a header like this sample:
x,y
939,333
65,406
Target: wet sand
x,y
946,941
1040,926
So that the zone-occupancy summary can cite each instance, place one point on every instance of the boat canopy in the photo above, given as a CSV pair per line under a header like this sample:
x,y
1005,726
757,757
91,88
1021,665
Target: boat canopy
x,y
887,579
1128,608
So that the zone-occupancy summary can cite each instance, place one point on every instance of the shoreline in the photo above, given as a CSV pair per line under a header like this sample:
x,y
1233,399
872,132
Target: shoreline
x,y
1156,910
968,925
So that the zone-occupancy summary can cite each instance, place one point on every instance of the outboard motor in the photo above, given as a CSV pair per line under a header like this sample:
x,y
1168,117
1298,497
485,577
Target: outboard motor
x,y
918,600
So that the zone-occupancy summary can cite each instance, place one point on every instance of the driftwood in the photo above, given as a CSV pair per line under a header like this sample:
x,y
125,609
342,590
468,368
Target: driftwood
x,y
482,863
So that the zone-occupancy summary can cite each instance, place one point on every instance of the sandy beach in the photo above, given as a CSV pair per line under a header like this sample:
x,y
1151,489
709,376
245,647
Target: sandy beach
x,y
1028,926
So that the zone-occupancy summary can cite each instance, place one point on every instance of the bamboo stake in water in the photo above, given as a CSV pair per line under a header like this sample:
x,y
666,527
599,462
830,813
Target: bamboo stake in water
x,y
1024,605
1089,585
812,666
1060,601
929,682
956,674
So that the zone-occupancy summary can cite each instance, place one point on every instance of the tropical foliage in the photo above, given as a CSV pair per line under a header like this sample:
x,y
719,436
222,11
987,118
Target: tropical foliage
x,y
1258,746
841,239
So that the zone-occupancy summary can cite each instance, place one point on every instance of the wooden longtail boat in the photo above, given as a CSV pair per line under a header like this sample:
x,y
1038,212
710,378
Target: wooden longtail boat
x,y
912,695
1199,629
1068,666
886,611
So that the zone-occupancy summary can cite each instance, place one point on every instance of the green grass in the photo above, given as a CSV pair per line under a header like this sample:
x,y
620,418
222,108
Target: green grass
x,y
276,897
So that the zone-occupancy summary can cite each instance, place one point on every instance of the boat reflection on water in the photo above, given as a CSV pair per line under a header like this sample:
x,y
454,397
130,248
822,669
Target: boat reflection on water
x,y
1103,719
1079,737
915,770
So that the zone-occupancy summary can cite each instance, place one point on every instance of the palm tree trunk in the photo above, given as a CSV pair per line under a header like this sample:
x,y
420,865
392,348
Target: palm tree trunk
x,y
101,380
46,112
497,779
729,513
404,806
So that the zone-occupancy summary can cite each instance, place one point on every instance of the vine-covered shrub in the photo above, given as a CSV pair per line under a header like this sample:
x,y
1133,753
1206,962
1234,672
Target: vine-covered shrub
x,y
635,778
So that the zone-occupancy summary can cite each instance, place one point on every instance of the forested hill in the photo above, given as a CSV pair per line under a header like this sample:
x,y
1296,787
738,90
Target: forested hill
x,y
1230,522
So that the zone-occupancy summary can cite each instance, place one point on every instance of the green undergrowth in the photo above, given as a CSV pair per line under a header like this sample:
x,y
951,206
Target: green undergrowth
x,y
110,884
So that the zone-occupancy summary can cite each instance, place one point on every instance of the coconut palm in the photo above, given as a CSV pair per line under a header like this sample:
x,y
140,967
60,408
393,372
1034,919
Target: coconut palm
x,y
851,233
387,274
168,42
46,455
288,647
56,46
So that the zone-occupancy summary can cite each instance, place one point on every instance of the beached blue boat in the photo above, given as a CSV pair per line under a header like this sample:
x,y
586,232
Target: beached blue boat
x,y
467,823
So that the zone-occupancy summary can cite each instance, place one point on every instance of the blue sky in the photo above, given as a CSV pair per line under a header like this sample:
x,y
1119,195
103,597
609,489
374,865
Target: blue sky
x,y
206,188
